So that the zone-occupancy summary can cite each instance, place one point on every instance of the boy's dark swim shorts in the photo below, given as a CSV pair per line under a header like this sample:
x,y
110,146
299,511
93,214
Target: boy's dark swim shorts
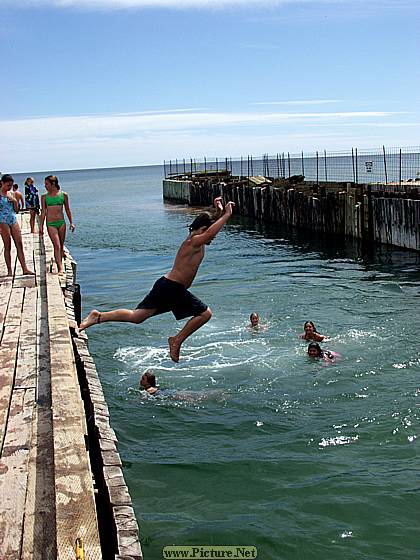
x,y
167,295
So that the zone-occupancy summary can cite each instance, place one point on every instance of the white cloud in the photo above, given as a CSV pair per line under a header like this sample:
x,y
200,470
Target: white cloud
x,y
66,142
177,4
299,102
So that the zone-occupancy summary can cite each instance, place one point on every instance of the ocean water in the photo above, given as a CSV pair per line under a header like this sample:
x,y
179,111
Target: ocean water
x,y
252,443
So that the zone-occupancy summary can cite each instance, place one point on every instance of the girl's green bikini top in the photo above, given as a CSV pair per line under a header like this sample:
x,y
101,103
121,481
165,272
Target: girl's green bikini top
x,y
57,200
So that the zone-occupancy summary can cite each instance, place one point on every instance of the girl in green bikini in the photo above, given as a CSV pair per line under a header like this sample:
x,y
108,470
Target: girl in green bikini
x,y
52,204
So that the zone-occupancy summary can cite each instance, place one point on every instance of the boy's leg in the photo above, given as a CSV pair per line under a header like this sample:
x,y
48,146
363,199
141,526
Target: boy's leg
x,y
189,328
121,315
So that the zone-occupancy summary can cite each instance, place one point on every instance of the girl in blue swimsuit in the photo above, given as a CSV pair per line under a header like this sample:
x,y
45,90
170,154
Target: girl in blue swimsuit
x,y
9,228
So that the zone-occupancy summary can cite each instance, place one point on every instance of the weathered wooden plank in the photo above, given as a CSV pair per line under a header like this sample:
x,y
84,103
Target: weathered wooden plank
x,y
75,503
5,292
14,309
39,540
9,345
26,367
14,472
39,534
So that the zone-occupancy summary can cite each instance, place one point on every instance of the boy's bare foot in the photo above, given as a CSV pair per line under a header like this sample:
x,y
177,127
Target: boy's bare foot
x,y
174,348
93,318
28,272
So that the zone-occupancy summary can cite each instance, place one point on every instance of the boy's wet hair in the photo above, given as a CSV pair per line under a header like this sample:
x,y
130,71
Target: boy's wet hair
x,y
15,186
151,379
202,220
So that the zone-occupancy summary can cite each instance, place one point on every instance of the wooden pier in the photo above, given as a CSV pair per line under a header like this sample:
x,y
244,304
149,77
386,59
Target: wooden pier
x,y
62,489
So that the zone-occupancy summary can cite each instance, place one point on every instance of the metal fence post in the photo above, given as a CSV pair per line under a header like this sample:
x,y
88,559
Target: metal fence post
x,y
386,173
317,168
400,174
325,165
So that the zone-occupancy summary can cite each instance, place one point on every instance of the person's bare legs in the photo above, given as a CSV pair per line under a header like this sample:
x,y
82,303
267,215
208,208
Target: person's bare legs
x,y
55,239
17,238
189,328
32,220
7,241
121,315
62,238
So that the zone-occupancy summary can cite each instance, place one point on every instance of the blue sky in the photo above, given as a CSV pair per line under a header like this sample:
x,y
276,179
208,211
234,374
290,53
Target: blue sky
x,y
104,83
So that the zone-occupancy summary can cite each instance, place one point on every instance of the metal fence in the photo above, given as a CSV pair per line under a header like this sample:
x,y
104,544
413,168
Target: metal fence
x,y
390,166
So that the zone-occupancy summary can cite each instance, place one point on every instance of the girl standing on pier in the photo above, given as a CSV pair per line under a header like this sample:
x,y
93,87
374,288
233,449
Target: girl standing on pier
x,y
9,228
32,201
52,204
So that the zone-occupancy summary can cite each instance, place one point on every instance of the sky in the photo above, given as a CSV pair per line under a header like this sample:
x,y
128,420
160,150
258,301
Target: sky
x,y
109,83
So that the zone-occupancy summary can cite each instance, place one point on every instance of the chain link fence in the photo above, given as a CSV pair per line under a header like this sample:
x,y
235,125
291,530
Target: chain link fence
x,y
390,166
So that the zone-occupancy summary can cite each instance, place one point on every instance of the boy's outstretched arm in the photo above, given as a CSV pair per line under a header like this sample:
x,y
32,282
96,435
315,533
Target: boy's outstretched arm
x,y
213,230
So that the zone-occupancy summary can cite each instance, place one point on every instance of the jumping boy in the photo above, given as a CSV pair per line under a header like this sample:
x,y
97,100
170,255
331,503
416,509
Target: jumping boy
x,y
170,292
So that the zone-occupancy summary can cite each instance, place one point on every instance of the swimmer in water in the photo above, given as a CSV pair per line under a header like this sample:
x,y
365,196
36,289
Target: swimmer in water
x,y
254,321
311,333
148,382
315,351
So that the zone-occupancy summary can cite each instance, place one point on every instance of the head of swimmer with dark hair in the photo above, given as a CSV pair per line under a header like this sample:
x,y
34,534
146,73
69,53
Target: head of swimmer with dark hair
x,y
201,223
6,179
311,333
314,350
51,183
254,319
148,382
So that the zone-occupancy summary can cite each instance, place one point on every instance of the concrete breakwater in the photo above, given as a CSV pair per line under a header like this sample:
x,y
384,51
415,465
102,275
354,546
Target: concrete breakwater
x,y
388,214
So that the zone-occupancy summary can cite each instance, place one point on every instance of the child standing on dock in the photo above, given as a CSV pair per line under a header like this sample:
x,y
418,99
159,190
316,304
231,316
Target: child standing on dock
x,y
19,196
9,228
32,201
170,292
52,205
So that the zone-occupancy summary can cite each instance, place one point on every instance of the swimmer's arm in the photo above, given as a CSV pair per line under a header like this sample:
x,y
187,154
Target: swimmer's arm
x,y
213,230
152,390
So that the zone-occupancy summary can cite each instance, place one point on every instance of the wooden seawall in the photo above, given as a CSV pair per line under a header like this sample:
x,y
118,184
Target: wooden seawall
x,y
63,494
372,213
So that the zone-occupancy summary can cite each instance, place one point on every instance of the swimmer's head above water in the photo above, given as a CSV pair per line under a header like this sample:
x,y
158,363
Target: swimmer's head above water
x,y
148,382
314,350
255,319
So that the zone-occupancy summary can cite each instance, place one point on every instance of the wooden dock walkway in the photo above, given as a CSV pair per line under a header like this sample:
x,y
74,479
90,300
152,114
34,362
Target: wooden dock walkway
x,y
46,485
